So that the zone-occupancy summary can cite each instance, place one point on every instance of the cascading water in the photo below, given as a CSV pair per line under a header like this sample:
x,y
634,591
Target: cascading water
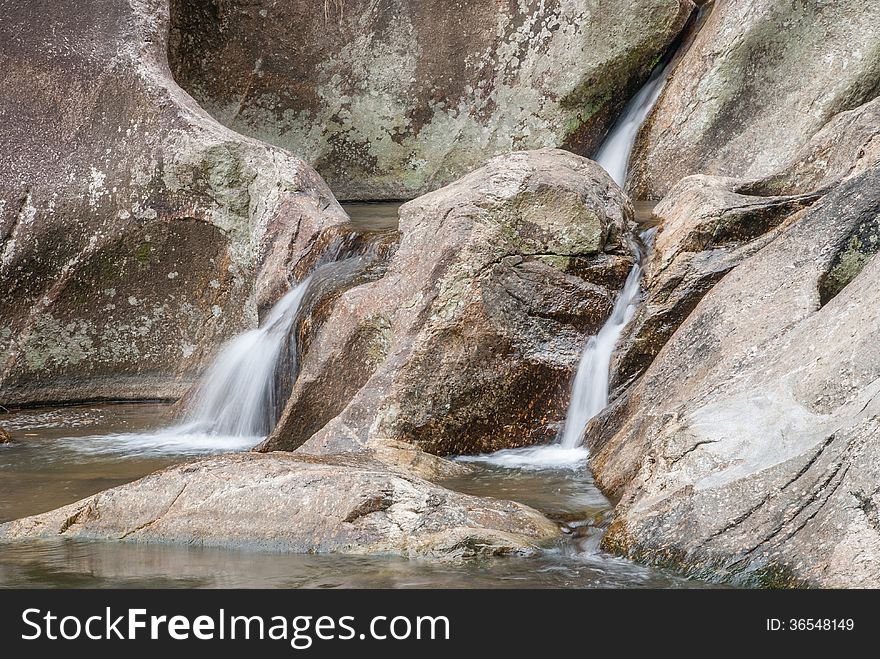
x,y
234,408
237,394
613,154
590,390
589,395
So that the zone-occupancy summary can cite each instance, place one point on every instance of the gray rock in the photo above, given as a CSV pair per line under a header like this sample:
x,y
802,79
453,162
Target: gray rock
x,y
394,99
301,504
469,341
746,452
136,233
708,225
707,228
760,79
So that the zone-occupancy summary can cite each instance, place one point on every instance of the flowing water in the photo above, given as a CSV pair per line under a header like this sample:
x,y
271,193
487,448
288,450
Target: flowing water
x,y
45,468
62,455
589,394
237,397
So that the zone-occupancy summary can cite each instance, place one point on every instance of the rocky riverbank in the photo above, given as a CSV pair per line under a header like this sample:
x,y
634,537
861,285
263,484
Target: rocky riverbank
x,y
141,227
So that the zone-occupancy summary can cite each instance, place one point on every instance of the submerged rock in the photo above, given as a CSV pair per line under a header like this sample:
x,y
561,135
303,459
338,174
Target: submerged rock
x,y
136,233
747,452
760,79
289,503
393,99
469,341
5,437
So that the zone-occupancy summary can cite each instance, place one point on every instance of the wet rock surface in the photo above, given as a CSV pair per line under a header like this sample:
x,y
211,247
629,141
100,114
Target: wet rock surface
x,y
390,100
136,233
289,503
469,341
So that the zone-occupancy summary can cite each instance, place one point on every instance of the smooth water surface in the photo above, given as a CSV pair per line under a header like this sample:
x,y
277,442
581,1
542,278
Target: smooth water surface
x,y
52,463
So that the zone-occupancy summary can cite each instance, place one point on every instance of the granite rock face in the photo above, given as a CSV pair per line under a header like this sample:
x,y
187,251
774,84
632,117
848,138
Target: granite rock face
x,y
469,340
747,451
289,503
759,80
136,233
707,225
392,99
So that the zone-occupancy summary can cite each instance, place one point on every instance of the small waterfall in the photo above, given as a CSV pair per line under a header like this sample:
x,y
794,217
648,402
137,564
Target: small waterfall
x,y
589,395
590,389
613,154
235,406
236,397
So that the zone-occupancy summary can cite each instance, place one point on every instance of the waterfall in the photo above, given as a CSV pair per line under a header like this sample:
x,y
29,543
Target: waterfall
x,y
236,397
589,395
613,154
234,407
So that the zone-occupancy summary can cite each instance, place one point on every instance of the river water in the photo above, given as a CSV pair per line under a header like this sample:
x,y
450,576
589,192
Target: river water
x,y
58,457
61,455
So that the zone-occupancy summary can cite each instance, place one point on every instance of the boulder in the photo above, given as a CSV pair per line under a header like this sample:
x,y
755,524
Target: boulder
x,y
707,225
288,503
136,233
469,341
707,228
393,99
747,451
760,79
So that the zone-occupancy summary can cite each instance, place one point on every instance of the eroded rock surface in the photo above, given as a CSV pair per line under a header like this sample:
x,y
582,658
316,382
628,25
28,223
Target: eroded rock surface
x,y
392,99
760,79
301,504
708,225
747,451
469,341
136,233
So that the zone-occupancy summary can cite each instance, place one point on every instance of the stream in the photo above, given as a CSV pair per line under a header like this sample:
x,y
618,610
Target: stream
x,y
61,455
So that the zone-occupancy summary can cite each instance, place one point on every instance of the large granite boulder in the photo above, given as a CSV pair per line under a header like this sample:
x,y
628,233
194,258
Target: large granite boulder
x,y
392,99
136,233
708,225
748,450
469,341
760,79
289,503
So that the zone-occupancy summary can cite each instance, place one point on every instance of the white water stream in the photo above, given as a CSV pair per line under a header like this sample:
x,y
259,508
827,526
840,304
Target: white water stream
x,y
589,394
234,408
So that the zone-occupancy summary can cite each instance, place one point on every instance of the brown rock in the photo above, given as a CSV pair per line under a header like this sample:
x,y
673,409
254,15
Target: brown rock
x,y
760,79
469,341
394,99
136,233
747,452
708,225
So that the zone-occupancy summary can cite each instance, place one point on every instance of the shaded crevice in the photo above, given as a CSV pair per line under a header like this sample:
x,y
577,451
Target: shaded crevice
x,y
854,251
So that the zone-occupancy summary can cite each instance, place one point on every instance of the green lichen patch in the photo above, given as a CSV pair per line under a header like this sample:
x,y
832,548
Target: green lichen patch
x,y
858,249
